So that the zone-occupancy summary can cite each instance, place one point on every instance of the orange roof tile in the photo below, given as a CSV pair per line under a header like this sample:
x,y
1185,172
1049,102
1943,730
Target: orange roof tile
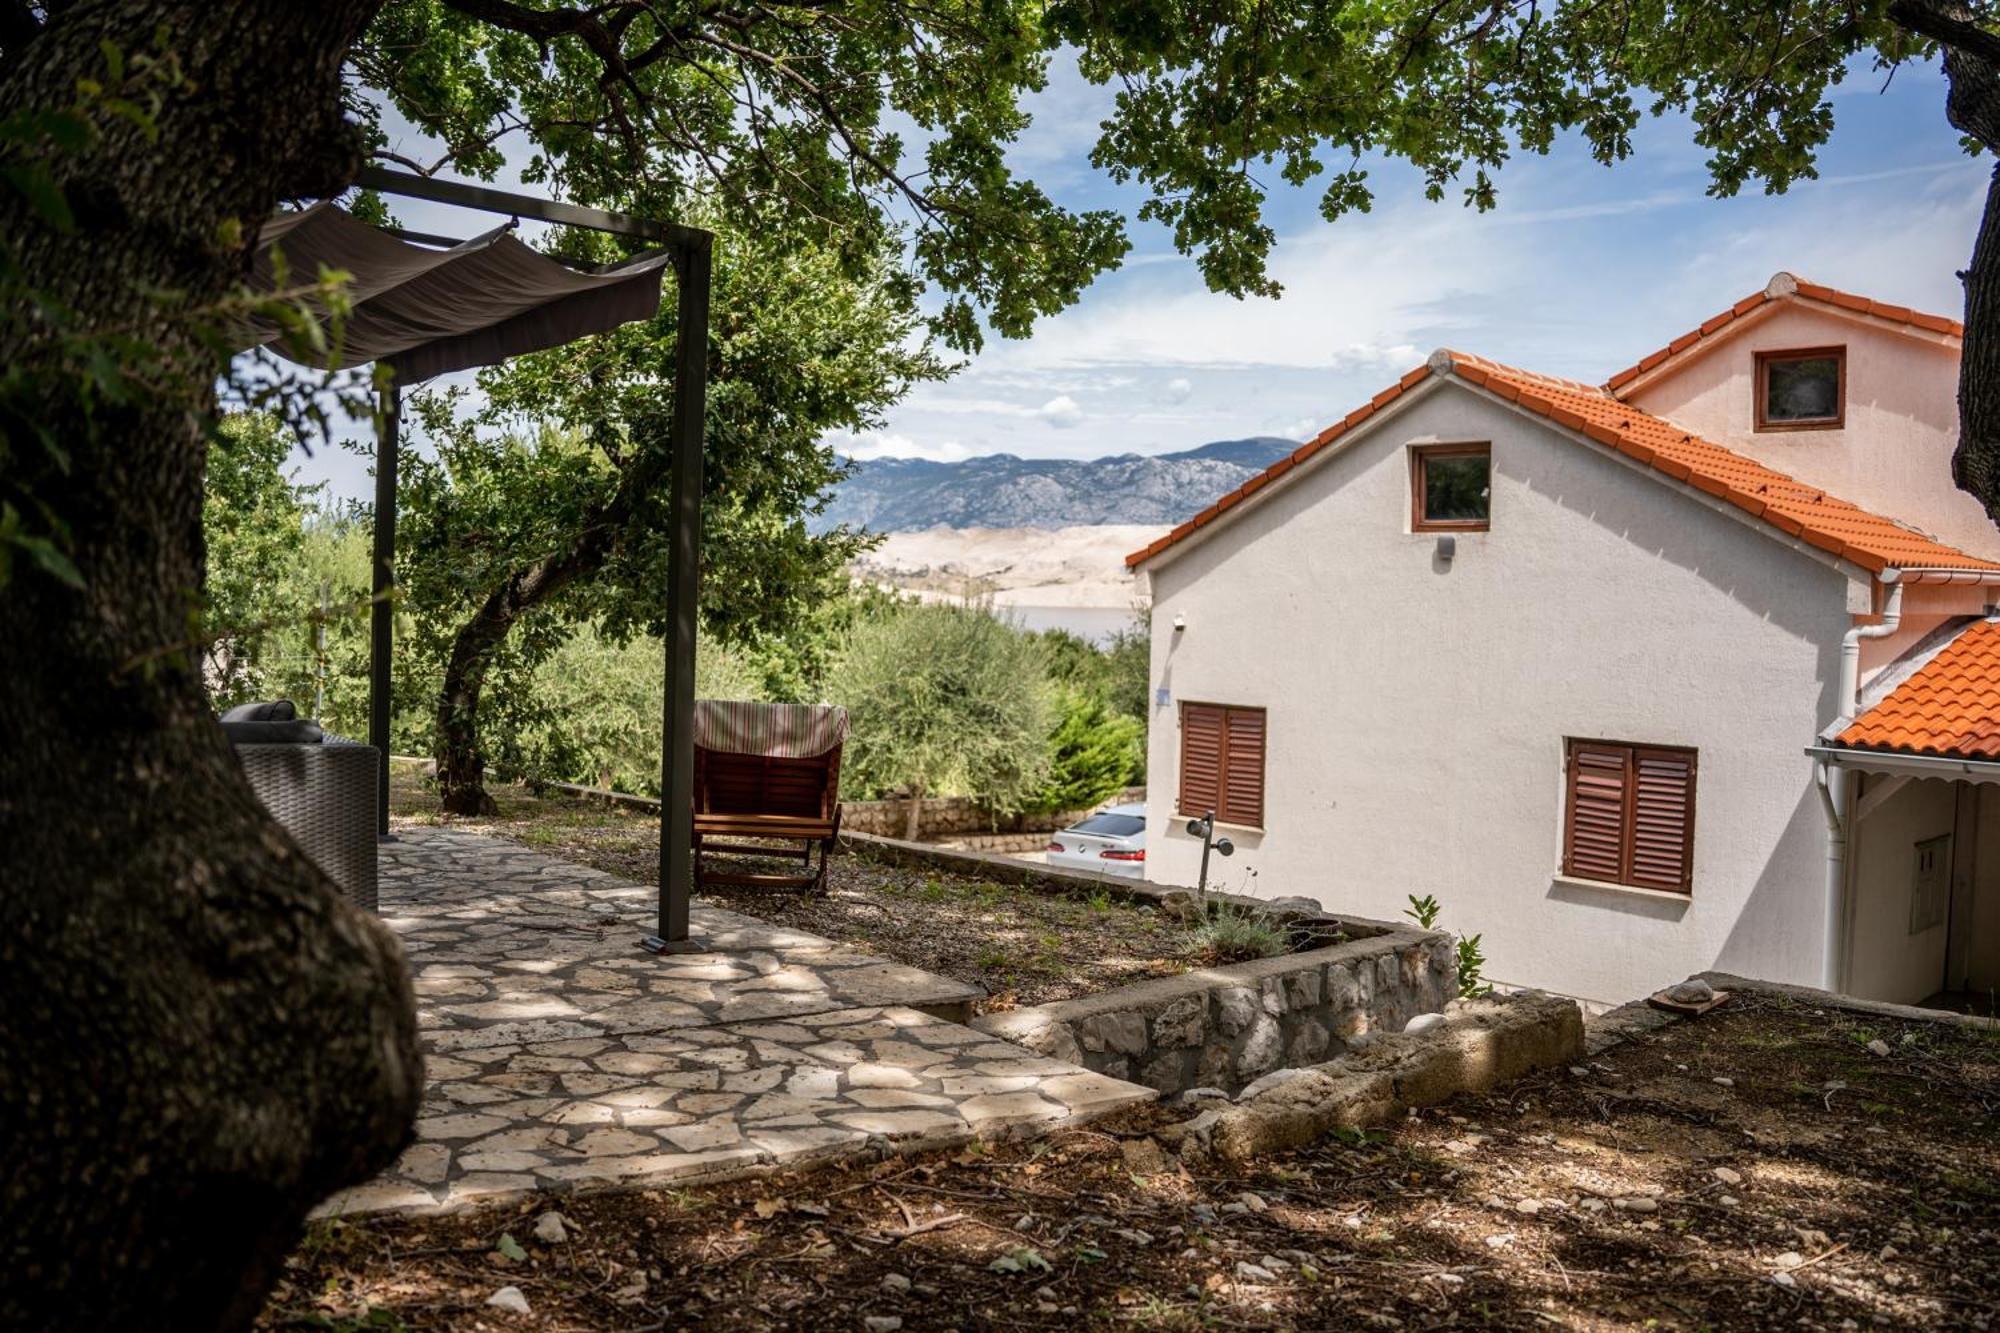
x,y
1782,286
1803,511
1950,707
1806,512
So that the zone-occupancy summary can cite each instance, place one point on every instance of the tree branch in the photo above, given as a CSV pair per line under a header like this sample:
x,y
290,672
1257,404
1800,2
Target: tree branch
x,y
1926,19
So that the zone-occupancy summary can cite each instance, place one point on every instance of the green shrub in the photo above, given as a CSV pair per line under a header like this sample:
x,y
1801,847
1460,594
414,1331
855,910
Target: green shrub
x,y
590,712
1234,934
1093,753
277,551
946,700
1470,958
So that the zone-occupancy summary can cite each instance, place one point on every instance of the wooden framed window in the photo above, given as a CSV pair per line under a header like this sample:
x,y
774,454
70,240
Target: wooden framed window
x,y
1222,763
1628,815
1451,487
1802,389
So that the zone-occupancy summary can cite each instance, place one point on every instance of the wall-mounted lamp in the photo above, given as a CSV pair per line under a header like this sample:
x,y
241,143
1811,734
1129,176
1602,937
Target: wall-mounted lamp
x,y
1447,547
1180,623
1204,828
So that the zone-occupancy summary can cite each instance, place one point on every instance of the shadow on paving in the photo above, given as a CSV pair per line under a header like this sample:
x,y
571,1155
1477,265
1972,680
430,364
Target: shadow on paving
x,y
1755,1168
1017,946
559,1055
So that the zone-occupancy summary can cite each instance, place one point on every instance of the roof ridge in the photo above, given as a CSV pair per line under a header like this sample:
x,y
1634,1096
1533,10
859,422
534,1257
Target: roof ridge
x,y
1809,513
1473,358
1781,286
1668,423
1801,509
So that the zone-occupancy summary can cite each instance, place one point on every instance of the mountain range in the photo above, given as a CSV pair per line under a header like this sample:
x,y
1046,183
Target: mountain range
x,y
1006,491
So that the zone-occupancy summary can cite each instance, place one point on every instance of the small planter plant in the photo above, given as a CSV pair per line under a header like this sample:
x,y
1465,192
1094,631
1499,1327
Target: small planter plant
x,y
1425,911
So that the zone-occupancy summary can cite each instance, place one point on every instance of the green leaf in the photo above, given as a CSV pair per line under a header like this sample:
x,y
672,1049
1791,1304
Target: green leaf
x,y
34,183
511,1248
51,560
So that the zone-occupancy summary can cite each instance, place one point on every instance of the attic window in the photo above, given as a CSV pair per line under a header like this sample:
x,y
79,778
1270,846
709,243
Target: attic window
x,y
1450,487
1805,389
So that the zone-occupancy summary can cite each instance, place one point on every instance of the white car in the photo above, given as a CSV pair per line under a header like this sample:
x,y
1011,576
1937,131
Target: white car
x,y
1110,842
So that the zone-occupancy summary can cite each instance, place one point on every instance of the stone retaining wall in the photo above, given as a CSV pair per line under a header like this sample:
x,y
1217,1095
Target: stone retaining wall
x,y
960,819
958,816
1002,869
1481,1044
1225,1027
1006,844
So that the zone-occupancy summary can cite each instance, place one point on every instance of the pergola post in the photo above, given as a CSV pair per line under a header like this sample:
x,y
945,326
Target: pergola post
x,y
692,252
683,592
382,619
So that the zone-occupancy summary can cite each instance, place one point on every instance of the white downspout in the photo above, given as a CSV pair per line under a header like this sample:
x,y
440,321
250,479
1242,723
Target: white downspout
x,y
1836,783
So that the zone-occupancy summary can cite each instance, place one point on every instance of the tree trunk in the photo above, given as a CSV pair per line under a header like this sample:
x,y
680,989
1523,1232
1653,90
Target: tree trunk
x,y
914,823
1972,105
201,1039
1975,463
461,764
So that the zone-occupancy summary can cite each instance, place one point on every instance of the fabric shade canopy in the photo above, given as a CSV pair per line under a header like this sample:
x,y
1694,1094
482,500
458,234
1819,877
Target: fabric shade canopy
x,y
425,311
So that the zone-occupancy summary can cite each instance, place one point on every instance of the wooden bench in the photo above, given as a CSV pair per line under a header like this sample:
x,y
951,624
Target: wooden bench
x,y
792,803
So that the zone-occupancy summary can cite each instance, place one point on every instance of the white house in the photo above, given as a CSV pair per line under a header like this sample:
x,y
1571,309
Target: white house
x,y
1609,669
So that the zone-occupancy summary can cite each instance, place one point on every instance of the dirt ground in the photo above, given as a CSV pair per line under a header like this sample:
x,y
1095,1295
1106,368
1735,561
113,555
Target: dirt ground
x,y
1760,1167
1024,947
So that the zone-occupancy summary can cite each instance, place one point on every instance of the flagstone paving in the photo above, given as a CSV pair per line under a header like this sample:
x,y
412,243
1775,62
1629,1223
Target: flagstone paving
x,y
560,1055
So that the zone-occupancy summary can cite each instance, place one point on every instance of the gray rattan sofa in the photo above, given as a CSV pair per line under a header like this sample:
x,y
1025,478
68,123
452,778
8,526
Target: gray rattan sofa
x,y
323,792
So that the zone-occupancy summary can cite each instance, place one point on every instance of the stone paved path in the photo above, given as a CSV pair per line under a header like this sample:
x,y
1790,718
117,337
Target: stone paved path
x,y
560,1055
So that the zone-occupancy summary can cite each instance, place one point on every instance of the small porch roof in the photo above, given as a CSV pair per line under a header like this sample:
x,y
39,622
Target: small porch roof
x,y
1943,721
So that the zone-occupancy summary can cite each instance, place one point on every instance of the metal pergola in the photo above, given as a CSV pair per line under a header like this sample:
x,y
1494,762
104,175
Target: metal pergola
x,y
691,250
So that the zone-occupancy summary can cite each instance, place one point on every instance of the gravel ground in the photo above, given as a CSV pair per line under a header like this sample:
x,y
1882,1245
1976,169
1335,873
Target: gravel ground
x,y
1024,947
1763,1166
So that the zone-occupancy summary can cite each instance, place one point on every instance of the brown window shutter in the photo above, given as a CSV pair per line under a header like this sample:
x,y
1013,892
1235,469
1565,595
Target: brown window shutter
x,y
1594,825
1662,848
1201,758
1243,775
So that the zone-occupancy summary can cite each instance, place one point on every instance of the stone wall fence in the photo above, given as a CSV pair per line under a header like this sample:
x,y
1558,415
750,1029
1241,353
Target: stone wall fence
x,y
962,817
1225,1027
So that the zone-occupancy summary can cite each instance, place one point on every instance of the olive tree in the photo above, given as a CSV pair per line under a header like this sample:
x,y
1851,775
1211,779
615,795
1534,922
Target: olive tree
x,y
944,699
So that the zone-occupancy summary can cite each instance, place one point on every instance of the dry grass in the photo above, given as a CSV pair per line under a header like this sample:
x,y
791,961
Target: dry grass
x,y
1023,946
1868,1182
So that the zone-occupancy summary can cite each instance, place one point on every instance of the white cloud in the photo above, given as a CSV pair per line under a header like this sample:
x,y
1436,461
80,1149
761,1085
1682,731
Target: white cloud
x,y
886,444
1364,293
1551,280
1176,390
1062,412
1069,117
1393,357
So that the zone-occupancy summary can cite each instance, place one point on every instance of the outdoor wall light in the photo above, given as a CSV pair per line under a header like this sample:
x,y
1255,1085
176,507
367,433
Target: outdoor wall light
x,y
1447,547
1204,828
1180,623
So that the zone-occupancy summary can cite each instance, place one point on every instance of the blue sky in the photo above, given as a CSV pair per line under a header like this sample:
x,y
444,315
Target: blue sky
x,y
1580,271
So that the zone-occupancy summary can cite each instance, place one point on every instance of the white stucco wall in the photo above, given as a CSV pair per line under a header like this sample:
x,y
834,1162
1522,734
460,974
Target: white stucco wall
x,y
1887,962
1892,455
1418,712
1927,608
